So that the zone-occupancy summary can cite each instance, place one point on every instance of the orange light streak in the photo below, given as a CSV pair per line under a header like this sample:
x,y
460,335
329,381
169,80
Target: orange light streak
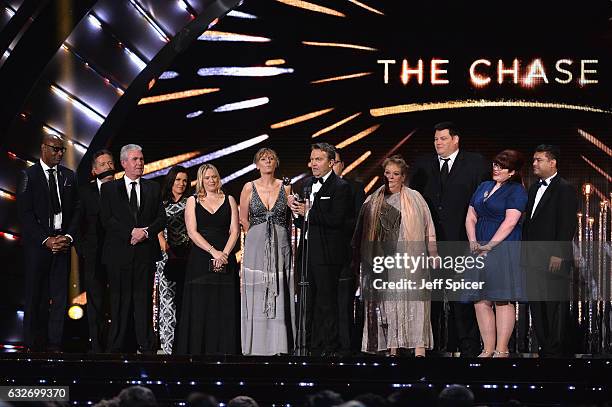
x,y
343,77
177,95
338,45
356,163
358,136
335,125
312,7
596,142
371,184
365,6
300,119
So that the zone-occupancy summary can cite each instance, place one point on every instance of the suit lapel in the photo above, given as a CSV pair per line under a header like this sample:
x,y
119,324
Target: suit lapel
x,y
61,181
546,196
327,185
43,178
144,189
456,168
95,190
533,190
435,171
123,194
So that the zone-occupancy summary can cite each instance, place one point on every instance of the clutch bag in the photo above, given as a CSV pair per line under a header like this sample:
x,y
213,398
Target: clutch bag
x,y
213,269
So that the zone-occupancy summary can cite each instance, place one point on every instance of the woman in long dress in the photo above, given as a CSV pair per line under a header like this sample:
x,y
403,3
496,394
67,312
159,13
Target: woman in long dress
x,y
175,245
209,314
493,229
395,219
267,282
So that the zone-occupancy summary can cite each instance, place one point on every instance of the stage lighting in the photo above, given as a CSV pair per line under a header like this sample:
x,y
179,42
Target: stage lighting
x,y
75,312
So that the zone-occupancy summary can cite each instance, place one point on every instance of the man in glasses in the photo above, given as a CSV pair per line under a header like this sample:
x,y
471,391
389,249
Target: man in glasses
x,y
47,201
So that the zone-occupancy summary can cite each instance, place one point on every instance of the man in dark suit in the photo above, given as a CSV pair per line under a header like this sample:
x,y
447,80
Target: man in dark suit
x,y
349,324
548,231
132,214
90,247
47,201
447,180
324,236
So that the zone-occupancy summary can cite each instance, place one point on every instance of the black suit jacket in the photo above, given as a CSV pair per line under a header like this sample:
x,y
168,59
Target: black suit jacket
x,y
91,229
327,239
449,209
34,207
356,202
118,221
553,225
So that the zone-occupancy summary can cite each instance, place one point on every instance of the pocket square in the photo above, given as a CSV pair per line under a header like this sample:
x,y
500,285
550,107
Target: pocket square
x,y
325,197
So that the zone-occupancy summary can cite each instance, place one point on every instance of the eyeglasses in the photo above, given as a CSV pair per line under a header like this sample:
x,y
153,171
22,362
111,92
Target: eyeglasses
x,y
56,149
497,166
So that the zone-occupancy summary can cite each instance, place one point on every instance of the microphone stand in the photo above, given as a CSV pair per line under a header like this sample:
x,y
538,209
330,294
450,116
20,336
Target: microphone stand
x,y
301,349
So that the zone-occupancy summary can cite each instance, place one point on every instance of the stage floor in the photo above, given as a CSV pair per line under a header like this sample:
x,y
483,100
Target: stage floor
x,y
282,381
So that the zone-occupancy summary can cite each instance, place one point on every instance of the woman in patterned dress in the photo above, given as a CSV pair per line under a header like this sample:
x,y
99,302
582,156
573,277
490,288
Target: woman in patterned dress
x,y
267,284
395,219
174,242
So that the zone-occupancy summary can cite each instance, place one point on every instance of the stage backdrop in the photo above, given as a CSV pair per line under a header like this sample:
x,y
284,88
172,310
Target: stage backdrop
x,y
374,78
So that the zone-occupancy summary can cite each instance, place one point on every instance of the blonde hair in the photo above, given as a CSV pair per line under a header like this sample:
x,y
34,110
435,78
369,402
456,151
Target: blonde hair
x,y
263,151
200,190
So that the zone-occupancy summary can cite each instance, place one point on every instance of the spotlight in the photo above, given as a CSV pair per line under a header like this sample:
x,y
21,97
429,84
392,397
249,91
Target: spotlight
x,y
75,312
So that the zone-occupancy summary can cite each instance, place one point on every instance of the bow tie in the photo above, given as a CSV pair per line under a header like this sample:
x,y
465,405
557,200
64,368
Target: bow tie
x,y
319,180
542,182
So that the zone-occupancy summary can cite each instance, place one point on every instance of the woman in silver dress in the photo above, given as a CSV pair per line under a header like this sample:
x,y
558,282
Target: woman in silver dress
x,y
395,219
267,282
174,242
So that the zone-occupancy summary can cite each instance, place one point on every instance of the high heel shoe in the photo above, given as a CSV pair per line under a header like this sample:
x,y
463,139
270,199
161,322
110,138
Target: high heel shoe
x,y
486,354
500,354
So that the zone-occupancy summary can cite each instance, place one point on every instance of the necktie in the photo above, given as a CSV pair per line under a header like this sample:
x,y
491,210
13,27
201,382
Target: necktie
x,y
134,200
542,182
55,203
444,171
319,180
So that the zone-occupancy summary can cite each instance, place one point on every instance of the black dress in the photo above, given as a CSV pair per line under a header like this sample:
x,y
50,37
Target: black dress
x,y
210,313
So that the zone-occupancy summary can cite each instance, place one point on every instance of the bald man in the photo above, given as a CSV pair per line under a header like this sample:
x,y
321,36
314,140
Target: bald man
x,y
47,200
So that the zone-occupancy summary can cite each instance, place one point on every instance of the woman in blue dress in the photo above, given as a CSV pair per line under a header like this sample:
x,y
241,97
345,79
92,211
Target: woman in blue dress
x,y
494,231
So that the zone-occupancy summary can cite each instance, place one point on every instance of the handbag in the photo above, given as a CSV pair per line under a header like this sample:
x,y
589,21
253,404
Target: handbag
x,y
213,269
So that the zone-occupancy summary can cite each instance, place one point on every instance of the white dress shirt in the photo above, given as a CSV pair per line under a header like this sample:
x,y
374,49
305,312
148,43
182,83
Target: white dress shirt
x,y
452,157
540,192
316,187
57,218
128,185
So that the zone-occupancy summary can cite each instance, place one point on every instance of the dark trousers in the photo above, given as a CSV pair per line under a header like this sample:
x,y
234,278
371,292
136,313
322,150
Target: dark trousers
x,y
95,285
455,327
322,308
346,300
131,290
454,322
550,322
46,297
466,328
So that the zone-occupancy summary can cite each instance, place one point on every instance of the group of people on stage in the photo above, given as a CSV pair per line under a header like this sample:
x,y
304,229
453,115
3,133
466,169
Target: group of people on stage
x,y
144,241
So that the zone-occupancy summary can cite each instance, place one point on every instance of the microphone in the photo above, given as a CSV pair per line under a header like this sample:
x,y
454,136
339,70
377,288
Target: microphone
x,y
105,174
307,191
